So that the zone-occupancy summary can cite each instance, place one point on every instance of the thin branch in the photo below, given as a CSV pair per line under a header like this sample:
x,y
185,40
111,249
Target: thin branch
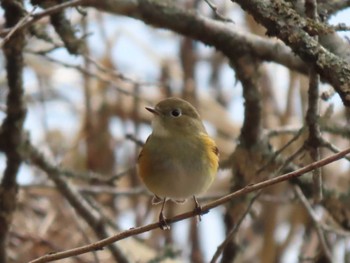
x,y
93,176
341,27
117,74
36,17
16,27
307,205
332,7
96,76
290,158
279,151
219,16
205,209
284,130
332,147
234,230
64,28
75,199
228,40
94,190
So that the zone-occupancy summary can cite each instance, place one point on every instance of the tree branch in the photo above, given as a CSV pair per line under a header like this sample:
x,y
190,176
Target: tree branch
x,y
11,129
205,209
228,39
285,23
75,199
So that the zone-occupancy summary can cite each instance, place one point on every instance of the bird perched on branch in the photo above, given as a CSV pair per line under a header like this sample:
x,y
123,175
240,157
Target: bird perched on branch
x,y
179,160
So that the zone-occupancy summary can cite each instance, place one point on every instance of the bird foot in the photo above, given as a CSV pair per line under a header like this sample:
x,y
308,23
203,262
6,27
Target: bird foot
x,y
162,222
197,209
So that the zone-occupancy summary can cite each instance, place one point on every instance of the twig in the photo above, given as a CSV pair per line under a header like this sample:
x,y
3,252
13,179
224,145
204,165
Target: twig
x,y
99,189
94,190
290,159
132,138
216,12
36,17
332,147
278,152
15,28
93,176
282,131
116,74
341,27
234,230
92,74
306,204
75,199
339,232
138,230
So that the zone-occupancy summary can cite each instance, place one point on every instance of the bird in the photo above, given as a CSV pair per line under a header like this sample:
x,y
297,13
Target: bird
x,y
178,160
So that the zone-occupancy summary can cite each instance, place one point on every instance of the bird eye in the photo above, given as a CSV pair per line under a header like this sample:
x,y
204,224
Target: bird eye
x,y
176,113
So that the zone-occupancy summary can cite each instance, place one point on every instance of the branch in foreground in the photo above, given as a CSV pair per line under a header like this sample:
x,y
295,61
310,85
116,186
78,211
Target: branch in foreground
x,y
205,209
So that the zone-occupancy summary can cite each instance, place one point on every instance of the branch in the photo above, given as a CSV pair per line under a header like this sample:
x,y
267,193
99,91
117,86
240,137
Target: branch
x,y
75,199
247,72
38,16
277,16
233,231
230,40
296,31
219,16
62,27
205,209
281,21
11,129
319,230
332,7
312,117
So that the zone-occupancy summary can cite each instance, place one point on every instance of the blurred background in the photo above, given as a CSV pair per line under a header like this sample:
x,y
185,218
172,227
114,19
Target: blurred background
x,y
86,116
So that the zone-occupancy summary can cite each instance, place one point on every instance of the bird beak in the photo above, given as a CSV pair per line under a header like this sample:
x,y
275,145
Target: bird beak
x,y
153,110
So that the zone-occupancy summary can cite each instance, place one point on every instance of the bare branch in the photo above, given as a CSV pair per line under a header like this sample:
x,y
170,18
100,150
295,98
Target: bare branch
x,y
36,17
216,12
11,129
205,209
81,206
314,140
307,205
285,23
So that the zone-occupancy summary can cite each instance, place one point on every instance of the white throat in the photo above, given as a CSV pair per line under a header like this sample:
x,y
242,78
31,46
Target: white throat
x,y
158,129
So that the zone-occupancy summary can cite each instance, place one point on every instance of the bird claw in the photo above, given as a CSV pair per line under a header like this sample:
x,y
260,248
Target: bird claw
x,y
197,209
162,222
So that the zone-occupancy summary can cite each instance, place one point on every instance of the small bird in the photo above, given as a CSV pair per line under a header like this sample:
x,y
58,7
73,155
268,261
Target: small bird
x,y
179,159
